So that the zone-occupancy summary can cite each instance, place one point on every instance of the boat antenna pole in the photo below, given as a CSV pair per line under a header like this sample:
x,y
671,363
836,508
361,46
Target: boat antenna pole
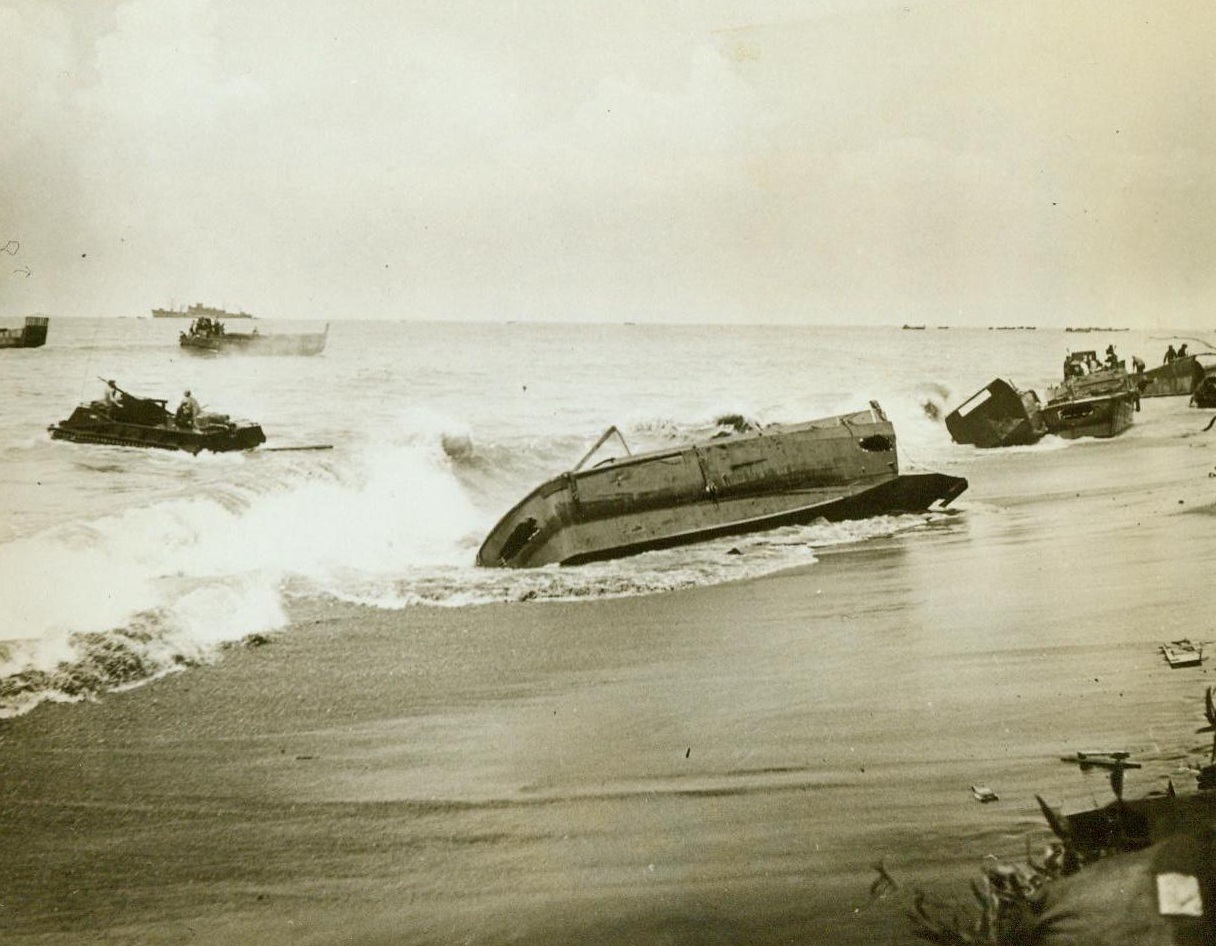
x,y
599,443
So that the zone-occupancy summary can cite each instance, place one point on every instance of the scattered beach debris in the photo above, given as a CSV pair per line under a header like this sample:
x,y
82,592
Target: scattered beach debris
x,y
1140,871
983,793
1107,760
884,883
1183,653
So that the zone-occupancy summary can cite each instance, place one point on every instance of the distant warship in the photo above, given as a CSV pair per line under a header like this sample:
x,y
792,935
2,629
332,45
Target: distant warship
x,y
198,310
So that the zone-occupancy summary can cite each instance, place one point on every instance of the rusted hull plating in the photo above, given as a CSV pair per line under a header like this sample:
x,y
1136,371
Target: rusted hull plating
x,y
838,468
998,415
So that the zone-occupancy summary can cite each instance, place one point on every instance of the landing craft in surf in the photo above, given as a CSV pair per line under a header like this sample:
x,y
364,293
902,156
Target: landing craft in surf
x,y
209,336
840,467
1093,400
1174,378
998,415
146,422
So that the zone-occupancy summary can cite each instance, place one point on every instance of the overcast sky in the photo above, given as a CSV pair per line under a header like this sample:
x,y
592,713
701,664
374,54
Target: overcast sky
x,y
810,161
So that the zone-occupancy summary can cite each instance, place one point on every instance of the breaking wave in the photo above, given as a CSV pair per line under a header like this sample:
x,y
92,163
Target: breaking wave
x,y
144,590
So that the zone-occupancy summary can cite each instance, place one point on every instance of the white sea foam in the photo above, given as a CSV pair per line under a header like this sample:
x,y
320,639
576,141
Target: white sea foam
x,y
194,572
436,430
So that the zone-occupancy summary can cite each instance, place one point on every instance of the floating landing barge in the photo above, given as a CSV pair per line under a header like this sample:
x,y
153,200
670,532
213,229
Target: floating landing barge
x,y
209,336
145,422
31,335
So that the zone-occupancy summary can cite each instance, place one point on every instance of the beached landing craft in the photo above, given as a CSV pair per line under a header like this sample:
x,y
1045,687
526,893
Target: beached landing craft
x,y
1174,378
31,335
145,422
209,336
841,467
1092,401
997,416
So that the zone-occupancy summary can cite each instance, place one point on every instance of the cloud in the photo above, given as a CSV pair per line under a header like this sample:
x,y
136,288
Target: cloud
x,y
465,160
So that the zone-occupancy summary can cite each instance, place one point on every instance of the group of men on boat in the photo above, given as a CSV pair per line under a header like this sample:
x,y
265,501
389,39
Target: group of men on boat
x,y
114,399
206,326
1083,363
1172,355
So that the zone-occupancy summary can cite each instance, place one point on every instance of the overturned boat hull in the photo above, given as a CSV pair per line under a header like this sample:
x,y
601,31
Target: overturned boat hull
x,y
998,415
842,467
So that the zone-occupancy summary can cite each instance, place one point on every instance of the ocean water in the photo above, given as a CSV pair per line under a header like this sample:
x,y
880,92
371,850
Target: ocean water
x,y
119,565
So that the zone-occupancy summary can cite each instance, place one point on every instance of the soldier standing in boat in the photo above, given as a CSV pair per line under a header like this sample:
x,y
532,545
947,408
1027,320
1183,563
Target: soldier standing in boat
x,y
1137,364
187,410
112,397
1170,355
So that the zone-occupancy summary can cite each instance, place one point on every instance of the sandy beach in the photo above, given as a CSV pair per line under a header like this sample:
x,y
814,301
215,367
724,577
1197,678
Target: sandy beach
x,y
555,252
721,764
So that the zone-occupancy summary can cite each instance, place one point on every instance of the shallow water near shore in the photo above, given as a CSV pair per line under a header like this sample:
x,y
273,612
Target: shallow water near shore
x,y
700,749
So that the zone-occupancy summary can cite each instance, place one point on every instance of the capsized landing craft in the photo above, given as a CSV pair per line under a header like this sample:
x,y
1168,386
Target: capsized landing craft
x,y
840,467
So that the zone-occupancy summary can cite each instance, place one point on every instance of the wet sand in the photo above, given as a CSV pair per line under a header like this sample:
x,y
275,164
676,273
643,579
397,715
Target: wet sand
x,y
718,765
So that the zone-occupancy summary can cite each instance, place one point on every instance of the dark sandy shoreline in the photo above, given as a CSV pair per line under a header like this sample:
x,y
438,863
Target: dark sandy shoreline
x,y
714,765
